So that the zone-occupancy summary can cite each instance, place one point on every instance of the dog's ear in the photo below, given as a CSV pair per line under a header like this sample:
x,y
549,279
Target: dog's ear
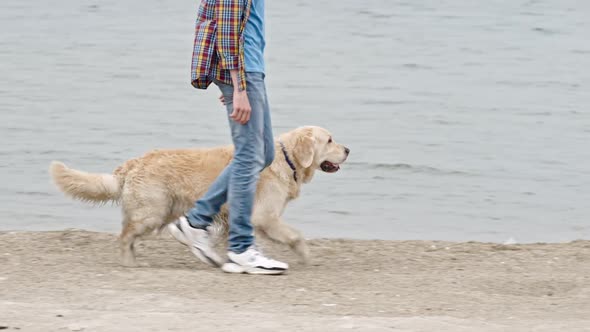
x,y
304,149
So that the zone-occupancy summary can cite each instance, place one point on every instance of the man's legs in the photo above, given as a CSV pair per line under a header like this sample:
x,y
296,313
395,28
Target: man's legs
x,y
191,229
201,215
254,150
240,177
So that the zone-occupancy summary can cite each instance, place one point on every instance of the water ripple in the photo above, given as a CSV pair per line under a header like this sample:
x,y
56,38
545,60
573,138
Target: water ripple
x,y
408,167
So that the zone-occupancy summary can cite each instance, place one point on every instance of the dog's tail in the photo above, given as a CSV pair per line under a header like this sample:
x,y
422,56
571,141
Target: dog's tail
x,y
89,187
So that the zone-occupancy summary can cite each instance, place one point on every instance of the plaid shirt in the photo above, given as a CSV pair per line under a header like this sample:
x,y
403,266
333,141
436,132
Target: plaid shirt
x,y
219,42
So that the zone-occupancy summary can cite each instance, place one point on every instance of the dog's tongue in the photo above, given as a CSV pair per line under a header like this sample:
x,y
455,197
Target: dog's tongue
x,y
329,167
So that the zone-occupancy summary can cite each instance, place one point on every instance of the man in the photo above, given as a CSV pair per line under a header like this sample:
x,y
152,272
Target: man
x,y
229,50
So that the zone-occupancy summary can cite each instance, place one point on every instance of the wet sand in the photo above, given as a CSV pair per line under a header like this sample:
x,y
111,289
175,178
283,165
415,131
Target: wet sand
x,y
72,281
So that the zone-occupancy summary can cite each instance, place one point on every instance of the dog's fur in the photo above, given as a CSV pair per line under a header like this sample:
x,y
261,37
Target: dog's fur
x,y
163,184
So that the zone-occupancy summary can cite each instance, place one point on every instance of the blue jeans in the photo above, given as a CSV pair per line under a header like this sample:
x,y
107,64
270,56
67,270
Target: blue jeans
x,y
254,151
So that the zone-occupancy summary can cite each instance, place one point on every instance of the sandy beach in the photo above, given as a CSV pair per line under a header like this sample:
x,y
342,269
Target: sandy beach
x,y
72,281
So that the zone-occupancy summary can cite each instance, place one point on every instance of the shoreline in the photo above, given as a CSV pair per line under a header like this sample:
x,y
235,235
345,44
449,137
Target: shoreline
x,y
507,241
72,280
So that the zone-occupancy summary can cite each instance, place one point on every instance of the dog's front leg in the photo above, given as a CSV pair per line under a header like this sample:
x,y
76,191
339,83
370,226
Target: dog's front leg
x,y
279,231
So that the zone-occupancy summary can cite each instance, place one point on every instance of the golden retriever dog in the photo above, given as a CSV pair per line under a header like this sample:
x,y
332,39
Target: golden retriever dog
x,y
159,187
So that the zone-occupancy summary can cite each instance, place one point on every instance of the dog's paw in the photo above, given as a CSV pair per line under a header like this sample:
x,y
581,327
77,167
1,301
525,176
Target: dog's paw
x,y
302,251
129,262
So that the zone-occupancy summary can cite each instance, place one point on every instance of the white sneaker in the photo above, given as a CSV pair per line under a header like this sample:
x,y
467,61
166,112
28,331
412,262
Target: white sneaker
x,y
196,239
175,230
252,261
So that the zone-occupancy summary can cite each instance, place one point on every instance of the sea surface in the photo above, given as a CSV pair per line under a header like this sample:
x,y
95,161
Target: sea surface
x,y
467,120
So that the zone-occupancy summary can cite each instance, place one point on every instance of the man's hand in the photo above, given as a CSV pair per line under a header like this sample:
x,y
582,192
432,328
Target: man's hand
x,y
241,113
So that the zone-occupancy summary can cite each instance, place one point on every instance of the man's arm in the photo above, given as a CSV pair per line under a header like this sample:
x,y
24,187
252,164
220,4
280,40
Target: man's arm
x,y
228,15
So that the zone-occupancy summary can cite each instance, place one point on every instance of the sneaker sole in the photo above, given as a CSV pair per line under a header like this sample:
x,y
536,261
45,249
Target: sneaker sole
x,y
203,257
238,269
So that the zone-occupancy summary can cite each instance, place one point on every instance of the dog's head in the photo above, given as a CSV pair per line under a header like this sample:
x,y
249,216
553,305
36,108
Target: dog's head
x,y
315,148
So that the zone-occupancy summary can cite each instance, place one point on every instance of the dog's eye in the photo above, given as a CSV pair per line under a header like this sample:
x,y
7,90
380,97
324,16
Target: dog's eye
x,y
330,140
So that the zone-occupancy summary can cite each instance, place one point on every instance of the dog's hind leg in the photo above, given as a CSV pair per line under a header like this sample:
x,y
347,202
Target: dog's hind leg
x,y
142,214
133,228
126,243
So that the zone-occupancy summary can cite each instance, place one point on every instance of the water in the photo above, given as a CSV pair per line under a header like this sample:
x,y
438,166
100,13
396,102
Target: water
x,y
467,120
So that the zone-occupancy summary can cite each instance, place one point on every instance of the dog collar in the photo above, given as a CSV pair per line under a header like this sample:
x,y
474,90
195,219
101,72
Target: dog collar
x,y
291,165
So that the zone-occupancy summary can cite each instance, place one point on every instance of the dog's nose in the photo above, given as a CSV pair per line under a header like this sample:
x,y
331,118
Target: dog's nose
x,y
347,150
